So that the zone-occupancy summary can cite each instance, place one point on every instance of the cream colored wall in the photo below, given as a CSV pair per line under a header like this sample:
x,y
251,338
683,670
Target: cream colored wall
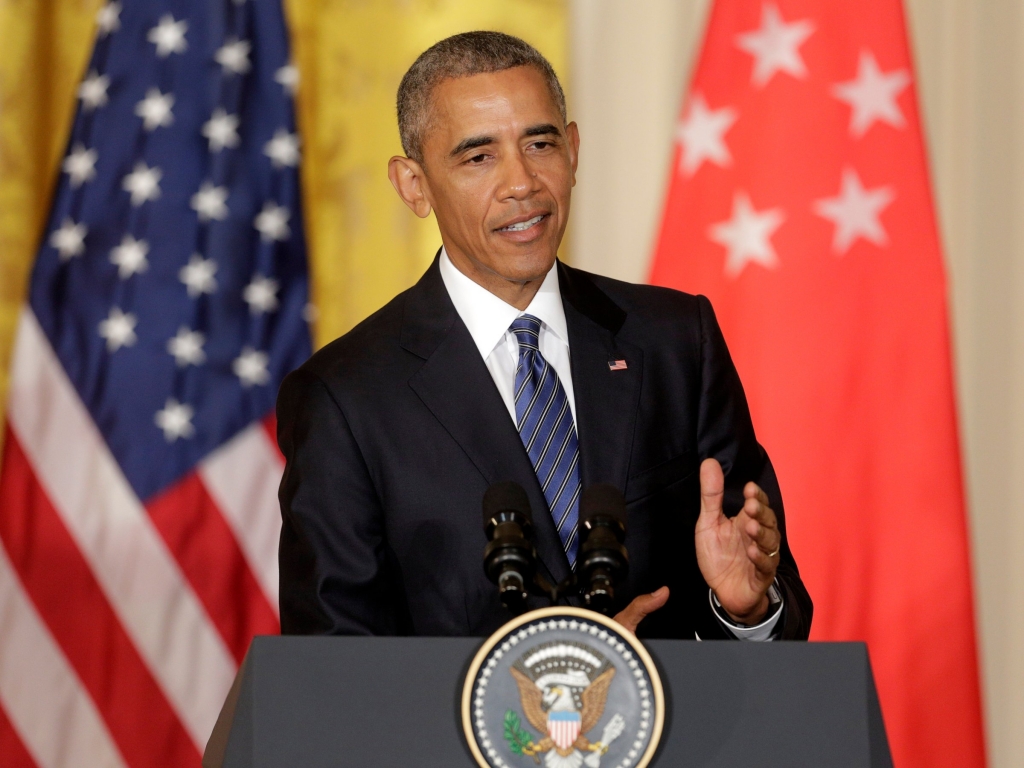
x,y
629,65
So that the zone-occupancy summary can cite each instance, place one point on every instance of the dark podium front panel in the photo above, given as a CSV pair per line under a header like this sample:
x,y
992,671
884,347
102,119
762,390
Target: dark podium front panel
x,y
319,702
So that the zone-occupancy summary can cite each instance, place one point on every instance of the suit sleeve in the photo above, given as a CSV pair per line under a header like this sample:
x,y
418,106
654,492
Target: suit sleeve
x,y
726,433
337,572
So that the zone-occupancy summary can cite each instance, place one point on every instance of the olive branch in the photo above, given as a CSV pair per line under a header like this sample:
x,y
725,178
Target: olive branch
x,y
519,740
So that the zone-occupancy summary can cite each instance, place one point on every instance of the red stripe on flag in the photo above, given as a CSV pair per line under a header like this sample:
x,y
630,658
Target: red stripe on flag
x,y
12,751
209,556
270,425
60,583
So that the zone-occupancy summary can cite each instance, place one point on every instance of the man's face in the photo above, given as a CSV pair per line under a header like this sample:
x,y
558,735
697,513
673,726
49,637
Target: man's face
x,y
499,172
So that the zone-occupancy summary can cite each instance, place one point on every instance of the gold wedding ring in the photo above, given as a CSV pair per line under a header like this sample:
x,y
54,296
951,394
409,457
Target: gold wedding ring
x,y
773,554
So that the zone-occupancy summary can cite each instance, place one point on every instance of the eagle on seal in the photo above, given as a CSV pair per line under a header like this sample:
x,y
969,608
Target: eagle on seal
x,y
552,710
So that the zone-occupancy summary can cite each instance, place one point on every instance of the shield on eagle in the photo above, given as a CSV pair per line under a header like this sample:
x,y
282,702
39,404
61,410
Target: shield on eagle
x,y
564,728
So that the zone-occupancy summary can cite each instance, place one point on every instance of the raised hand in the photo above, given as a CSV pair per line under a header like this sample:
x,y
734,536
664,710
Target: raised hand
x,y
737,556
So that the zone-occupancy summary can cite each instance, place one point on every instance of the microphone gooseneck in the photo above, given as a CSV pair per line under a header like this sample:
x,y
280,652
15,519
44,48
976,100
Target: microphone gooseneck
x,y
603,562
509,558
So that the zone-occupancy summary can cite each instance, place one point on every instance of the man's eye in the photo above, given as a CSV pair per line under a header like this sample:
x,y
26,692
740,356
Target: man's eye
x,y
541,144
477,159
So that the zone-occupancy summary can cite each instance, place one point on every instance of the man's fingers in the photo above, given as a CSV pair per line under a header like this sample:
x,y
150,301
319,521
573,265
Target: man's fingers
x,y
753,491
712,489
764,564
767,539
761,512
631,616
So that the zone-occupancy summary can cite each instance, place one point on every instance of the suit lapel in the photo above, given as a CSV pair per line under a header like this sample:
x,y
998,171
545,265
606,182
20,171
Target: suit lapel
x,y
455,385
606,399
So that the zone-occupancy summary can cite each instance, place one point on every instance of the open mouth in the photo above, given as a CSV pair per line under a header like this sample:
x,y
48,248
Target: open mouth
x,y
522,226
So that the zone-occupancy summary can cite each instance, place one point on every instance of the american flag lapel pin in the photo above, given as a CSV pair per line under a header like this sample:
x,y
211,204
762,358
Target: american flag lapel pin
x,y
617,365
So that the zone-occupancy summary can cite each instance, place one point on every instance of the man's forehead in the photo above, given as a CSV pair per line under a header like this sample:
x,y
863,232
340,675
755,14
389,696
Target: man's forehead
x,y
516,97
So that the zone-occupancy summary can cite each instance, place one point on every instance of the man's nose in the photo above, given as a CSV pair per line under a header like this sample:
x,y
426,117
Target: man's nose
x,y
519,180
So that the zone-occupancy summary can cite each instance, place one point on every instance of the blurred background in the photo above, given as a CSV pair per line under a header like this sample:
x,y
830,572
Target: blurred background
x,y
625,67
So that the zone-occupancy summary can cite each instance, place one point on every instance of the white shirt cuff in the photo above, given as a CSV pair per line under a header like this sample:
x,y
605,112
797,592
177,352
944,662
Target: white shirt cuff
x,y
759,632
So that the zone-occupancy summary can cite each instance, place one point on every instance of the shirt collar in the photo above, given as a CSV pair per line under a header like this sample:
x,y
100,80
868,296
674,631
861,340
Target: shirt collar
x,y
487,317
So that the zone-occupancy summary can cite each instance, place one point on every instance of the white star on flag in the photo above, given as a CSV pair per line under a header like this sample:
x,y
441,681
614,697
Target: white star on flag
x,y
69,239
143,183
775,46
283,149
855,212
747,235
221,130
118,329
872,95
168,36
233,56
251,367
130,257
261,295
80,165
187,347
93,91
155,109
272,222
198,275
108,19
288,77
210,202
702,135
175,419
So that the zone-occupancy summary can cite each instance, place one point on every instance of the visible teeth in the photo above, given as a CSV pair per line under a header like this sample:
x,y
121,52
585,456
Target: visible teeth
x,y
522,224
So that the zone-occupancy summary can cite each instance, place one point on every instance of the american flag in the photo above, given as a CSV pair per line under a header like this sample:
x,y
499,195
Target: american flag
x,y
138,508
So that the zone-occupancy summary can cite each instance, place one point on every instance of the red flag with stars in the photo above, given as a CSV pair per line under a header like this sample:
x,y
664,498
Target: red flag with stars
x,y
800,204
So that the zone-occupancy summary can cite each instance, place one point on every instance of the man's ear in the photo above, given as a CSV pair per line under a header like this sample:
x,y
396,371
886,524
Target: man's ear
x,y
410,181
572,133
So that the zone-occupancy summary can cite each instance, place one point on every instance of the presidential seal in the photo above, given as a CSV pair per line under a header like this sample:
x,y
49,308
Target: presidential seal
x,y
562,688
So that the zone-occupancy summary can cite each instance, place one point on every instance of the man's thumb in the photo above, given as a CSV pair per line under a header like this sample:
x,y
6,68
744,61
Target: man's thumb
x,y
712,488
631,616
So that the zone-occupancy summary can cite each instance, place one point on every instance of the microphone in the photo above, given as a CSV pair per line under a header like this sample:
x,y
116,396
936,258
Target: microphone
x,y
510,557
602,563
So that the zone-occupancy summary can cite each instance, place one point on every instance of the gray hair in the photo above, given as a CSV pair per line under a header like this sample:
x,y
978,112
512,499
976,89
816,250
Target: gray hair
x,y
469,53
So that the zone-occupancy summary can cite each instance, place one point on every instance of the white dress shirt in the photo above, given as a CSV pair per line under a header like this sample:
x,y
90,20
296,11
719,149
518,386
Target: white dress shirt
x,y
488,319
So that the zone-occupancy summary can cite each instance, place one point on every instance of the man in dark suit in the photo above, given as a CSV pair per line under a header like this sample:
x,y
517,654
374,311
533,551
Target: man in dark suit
x,y
502,363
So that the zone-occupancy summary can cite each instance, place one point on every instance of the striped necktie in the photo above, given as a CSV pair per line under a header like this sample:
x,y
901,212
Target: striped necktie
x,y
545,425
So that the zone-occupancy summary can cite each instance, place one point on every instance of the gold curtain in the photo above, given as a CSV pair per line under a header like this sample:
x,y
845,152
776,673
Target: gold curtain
x,y
44,46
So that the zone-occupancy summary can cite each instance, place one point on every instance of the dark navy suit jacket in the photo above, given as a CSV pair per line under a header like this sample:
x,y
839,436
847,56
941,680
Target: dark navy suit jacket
x,y
393,432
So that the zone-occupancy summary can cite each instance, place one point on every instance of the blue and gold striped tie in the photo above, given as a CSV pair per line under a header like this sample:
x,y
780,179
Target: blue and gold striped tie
x,y
546,427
